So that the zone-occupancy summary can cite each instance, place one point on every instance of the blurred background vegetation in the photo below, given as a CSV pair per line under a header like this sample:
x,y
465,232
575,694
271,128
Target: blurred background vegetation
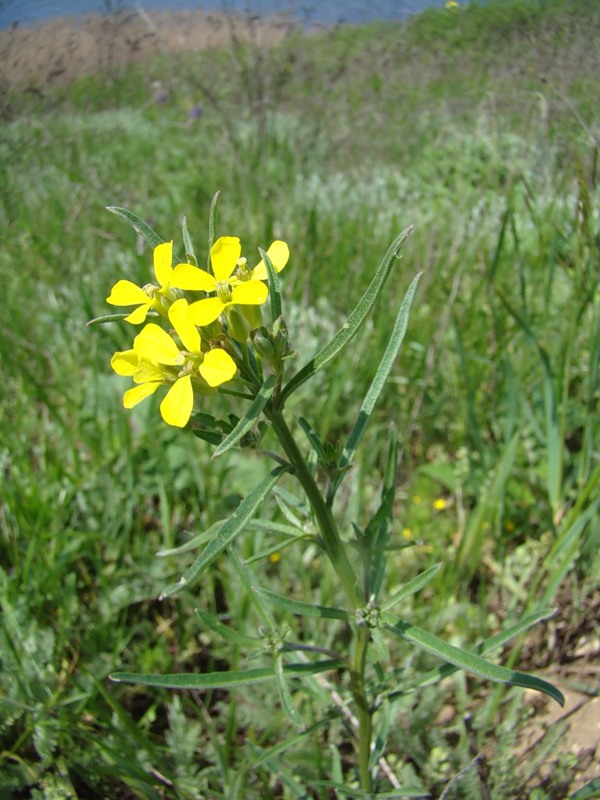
x,y
479,126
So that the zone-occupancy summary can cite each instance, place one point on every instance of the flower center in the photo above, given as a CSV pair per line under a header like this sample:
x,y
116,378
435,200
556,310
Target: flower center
x,y
224,292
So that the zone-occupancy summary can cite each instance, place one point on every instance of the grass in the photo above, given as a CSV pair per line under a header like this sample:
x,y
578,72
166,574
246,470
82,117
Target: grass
x,y
334,142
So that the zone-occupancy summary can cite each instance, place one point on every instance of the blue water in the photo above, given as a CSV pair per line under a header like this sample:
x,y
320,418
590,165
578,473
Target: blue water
x,y
27,12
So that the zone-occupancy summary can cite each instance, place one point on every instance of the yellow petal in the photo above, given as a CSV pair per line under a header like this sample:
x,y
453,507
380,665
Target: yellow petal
x,y
250,293
134,396
148,372
217,367
139,315
126,293
224,256
279,254
180,317
155,344
178,403
190,278
163,257
125,362
203,312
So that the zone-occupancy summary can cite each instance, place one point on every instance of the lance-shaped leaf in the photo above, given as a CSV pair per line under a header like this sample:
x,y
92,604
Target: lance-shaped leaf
x,y
411,587
139,226
487,646
471,662
381,376
379,529
223,680
211,228
195,543
354,322
249,418
228,531
301,608
225,632
274,286
188,244
112,318
285,694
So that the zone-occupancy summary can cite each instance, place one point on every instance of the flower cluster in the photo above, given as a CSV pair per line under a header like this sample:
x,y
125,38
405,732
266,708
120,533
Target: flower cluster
x,y
192,349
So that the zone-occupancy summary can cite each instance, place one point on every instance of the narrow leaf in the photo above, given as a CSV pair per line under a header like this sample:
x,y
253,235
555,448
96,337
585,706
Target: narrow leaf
x,y
472,663
301,608
284,693
487,646
411,587
211,228
223,680
194,543
139,226
354,322
381,376
188,244
313,438
228,532
249,418
274,286
224,631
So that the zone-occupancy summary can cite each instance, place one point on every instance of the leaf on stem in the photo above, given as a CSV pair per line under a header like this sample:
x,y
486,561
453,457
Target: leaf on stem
x,y
249,418
228,531
301,608
285,694
471,662
274,286
188,244
223,680
354,322
139,226
411,587
381,376
225,632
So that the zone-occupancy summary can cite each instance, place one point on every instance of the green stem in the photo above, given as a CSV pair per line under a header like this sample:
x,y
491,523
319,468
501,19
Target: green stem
x,y
365,720
327,527
339,560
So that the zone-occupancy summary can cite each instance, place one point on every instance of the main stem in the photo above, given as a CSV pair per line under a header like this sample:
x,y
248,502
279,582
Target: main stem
x,y
334,548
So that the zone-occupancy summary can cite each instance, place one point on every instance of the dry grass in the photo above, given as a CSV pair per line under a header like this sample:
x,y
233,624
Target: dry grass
x,y
68,47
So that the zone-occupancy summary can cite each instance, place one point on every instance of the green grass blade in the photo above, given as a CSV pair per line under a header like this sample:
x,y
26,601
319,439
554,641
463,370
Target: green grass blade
x,y
489,500
411,587
301,608
472,663
354,322
229,530
139,226
249,418
274,286
588,792
381,376
223,680
194,543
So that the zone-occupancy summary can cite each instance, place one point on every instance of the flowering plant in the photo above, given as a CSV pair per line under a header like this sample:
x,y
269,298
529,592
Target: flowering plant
x,y
222,330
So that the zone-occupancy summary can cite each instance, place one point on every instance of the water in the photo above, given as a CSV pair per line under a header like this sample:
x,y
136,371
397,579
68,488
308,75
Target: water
x,y
27,12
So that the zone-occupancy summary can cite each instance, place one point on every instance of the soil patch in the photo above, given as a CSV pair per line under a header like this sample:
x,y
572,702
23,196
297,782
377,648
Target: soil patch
x,y
57,51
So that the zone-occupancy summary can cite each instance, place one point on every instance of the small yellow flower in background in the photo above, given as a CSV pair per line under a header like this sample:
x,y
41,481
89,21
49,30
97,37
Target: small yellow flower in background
x,y
440,504
156,359
407,533
416,499
274,558
451,5
126,293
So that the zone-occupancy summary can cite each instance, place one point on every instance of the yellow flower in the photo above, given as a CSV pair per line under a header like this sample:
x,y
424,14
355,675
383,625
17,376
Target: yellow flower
x,y
229,288
279,254
126,293
440,504
451,5
156,359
